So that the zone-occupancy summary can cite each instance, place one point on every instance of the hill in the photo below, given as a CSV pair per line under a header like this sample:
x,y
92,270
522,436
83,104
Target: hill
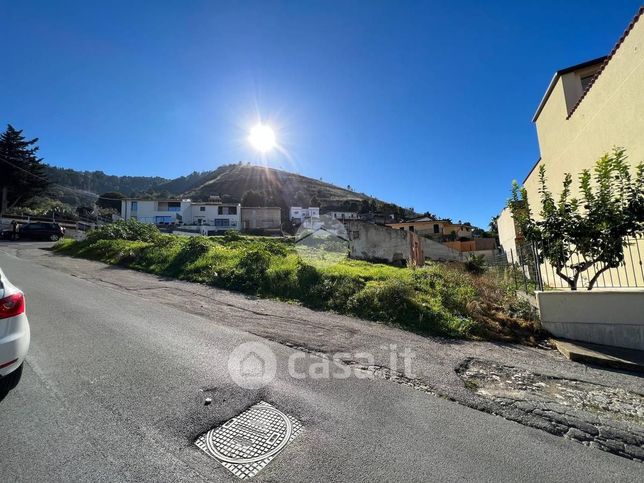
x,y
229,182
234,180
83,186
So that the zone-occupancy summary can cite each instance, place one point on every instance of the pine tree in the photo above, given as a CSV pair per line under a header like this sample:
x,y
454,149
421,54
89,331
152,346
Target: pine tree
x,y
22,172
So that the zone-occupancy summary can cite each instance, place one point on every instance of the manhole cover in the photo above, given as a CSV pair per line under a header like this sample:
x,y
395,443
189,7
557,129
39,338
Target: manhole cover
x,y
247,443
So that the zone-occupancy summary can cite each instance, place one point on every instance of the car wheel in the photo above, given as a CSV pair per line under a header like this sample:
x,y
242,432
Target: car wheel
x,y
10,381
54,237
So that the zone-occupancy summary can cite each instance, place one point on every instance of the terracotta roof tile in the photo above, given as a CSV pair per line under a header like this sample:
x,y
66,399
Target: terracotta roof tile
x,y
637,16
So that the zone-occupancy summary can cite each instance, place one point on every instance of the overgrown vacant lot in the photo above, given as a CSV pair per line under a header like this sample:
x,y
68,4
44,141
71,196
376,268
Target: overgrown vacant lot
x,y
436,299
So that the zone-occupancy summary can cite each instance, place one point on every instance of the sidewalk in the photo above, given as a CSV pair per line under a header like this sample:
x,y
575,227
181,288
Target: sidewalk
x,y
601,355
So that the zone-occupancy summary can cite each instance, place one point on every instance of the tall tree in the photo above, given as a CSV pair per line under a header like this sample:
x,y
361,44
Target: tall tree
x,y
315,201
111,200
253,198
494,225
302,199
22,173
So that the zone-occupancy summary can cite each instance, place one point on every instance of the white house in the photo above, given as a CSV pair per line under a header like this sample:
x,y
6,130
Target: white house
x,y
344,215
158,212
219,216
299,214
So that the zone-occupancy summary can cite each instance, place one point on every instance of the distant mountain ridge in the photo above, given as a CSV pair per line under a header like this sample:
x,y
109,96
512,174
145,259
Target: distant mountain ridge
x,y
228,182
79,188
234,180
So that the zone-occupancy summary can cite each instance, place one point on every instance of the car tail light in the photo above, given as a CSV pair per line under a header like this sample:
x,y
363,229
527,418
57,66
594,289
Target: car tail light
x,y
12,305
7,364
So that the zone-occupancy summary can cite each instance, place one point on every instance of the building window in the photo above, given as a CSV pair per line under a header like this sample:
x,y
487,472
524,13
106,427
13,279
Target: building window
x,y
202,208
135,205
174,206
436,229
222,222
227,210
586,80
411,228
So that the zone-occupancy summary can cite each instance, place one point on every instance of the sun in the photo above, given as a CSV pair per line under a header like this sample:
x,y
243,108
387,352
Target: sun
x,y
262,138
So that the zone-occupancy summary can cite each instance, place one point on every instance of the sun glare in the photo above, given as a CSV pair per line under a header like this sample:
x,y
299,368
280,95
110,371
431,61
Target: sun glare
x,y
262,138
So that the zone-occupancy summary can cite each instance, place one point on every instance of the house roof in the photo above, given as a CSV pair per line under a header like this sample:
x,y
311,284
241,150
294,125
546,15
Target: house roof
x,y
608,58
531,170
601,60
418,220
214,203
162,199
261,208
556,77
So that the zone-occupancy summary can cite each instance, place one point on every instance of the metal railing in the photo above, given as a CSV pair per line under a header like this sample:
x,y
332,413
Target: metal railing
x,y
532,268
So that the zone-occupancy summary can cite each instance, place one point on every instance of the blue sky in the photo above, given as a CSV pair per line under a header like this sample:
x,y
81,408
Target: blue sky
x,y
426,104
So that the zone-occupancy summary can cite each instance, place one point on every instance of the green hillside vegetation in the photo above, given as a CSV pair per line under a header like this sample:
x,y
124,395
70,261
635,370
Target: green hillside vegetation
x,y
228,183
236,179
84,185
437,299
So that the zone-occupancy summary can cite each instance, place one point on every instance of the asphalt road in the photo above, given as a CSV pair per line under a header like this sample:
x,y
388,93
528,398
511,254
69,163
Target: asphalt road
x,y
114,386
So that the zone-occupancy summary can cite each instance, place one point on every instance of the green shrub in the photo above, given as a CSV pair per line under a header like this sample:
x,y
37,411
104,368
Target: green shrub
x,y
334,291
250,272
232,235
307,275
388,301
476,264
195,247
125,230
443,299
523,309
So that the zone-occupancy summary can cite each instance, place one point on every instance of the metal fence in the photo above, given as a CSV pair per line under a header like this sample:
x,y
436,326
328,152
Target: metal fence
x,y
530,269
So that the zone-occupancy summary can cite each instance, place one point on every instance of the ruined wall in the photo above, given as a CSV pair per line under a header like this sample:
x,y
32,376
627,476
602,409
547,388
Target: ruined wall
x,y
379,243
437,251
375,242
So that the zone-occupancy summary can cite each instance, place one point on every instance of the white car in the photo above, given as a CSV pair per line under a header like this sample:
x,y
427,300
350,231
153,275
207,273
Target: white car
x,y
14,334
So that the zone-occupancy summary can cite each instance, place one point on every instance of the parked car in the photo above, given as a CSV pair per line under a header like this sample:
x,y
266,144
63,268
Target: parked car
x,y
14,334
41,231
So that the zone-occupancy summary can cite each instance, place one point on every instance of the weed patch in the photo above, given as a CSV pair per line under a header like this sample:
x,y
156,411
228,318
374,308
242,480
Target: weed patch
x,y
438,299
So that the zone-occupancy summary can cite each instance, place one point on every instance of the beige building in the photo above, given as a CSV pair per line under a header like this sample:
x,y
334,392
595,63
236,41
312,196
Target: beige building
x,y
509,236
587,110
265,219
437,229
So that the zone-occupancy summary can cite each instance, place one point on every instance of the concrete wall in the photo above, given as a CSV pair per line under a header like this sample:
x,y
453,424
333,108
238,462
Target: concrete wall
x,y
613,318
507,232
379,243
439,252
261,218
490,255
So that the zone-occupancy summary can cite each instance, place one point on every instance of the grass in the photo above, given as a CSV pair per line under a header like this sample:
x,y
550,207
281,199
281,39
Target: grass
x,y
436,299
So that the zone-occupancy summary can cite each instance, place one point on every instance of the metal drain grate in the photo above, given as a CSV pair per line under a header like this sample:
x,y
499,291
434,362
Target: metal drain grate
x,y
247,443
